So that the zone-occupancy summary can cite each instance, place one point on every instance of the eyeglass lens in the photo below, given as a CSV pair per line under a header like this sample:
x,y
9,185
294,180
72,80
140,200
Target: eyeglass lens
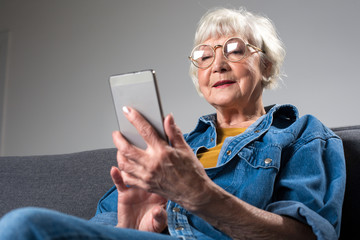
x,y
204,55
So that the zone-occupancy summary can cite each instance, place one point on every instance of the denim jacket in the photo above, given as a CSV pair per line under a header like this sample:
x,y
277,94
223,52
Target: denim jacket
x,y
282,163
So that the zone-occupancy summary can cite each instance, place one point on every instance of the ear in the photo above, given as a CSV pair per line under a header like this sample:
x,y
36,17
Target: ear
x,y
266,67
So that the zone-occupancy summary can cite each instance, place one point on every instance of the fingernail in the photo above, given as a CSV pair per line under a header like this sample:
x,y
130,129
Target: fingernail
x,y
126,110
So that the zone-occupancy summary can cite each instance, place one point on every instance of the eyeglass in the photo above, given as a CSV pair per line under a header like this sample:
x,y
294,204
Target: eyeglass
x,y
234,50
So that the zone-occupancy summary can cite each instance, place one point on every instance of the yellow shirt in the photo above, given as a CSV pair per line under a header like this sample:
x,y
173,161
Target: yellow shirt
x,y
209,157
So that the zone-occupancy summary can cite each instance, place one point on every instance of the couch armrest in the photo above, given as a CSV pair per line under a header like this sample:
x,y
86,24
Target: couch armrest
x,y
351,139
70,183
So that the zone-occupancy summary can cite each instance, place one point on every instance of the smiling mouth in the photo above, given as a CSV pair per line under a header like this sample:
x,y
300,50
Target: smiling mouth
x,y
224,83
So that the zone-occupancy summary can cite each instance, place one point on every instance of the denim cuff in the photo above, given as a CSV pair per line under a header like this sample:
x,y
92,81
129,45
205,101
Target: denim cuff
x,y
321,227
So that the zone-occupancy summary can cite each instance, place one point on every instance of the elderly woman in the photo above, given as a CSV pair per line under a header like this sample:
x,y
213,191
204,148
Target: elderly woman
x,y
244,172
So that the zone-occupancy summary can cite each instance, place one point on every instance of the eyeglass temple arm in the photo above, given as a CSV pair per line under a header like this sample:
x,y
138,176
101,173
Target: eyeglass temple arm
x,y
256,48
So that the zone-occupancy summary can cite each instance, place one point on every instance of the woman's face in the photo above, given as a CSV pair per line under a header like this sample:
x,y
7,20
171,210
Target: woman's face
x,y
228,84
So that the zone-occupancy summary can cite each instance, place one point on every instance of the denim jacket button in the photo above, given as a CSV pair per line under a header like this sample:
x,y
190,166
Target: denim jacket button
x,y
179,228
175,209
228,152
268,160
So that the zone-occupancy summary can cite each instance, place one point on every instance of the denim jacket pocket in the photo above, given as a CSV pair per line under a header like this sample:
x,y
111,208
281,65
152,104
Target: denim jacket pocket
x,y
256,173
256,167
262,155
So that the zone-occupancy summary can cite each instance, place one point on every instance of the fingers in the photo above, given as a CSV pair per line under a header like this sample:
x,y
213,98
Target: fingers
x,y
160,218
134,182
174,133
141,168
130,164
117,179
122,144
126,149
144,128
123,180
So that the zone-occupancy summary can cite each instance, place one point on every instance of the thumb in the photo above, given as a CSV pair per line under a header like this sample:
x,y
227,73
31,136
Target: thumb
x,y
117,179
173,132
159,218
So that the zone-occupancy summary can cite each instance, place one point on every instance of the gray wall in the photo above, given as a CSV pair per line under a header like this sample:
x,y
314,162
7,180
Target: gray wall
x,y
4,41
62,52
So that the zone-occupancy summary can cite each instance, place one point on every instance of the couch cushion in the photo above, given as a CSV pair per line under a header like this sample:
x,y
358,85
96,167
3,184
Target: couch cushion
x,y
70,183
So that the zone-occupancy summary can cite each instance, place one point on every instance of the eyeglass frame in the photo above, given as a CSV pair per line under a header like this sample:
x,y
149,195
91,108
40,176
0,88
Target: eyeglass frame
x,y
222,46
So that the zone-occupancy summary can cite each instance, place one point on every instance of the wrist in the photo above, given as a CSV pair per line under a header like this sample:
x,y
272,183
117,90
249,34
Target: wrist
x,y
208,197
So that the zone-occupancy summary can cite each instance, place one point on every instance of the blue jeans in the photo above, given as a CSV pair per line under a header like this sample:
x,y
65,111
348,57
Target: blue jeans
x,y
38,223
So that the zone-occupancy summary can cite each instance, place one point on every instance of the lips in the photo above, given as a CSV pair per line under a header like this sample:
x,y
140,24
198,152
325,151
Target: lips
x,y
223,83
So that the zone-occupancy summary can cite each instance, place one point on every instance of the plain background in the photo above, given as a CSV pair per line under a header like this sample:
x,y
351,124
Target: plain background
x,y
60,53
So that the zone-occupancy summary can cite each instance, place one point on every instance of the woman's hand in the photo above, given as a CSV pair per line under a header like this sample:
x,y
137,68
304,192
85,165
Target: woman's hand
x,y
137,208
172,172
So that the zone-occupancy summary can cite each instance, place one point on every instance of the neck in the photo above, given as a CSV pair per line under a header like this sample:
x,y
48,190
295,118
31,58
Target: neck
x,y
241,117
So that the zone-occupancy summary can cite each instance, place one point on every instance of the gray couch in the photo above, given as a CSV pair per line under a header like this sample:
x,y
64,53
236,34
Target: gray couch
x,y
70,183
73,183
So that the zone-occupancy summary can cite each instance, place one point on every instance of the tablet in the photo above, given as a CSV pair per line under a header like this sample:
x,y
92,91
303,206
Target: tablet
x,y
139,91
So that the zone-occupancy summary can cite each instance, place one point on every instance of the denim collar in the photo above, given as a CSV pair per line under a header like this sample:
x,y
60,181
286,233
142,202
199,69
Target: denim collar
x,y
286,111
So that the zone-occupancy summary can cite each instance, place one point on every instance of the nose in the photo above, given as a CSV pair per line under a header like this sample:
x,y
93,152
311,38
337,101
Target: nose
x,y
220,63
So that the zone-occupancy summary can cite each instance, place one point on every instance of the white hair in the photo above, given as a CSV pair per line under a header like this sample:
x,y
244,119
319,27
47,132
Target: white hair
x,y
257,30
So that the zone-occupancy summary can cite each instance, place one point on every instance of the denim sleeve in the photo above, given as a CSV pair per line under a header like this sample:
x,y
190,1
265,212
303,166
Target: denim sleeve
x,y
108,202
106,211
311,186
